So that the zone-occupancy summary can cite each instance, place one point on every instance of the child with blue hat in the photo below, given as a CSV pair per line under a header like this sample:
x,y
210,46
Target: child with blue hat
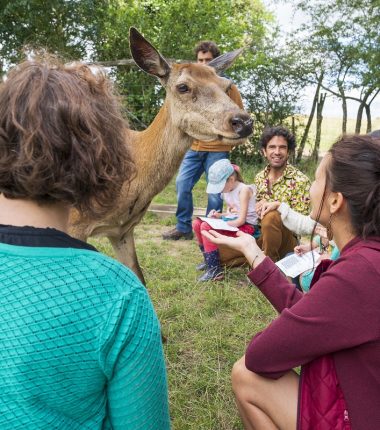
x,y
225,178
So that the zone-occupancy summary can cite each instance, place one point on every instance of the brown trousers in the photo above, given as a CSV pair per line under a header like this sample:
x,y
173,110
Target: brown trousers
x,y
275,240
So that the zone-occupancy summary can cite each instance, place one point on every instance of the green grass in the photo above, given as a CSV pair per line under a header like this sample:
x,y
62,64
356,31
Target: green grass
x,y
207,325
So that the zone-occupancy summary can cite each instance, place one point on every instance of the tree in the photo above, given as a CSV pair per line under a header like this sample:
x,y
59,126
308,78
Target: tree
x,y
301,146
317,143
345,32
63,27
97,30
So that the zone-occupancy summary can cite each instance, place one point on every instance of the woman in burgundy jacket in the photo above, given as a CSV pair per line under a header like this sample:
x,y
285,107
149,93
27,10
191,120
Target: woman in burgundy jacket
x,y
333,332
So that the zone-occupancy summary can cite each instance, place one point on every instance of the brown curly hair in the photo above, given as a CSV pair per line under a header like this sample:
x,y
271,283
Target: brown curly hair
x,y
62,136
270,132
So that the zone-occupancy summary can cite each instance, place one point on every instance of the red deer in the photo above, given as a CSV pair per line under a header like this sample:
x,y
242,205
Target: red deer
x,y
196,107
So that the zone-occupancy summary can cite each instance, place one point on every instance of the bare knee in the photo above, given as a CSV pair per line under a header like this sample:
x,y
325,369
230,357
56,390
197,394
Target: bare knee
x,y
248,386
238,374
243,380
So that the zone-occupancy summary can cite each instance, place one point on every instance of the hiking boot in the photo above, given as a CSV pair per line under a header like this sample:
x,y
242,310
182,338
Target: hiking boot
x,y
175,234
213,274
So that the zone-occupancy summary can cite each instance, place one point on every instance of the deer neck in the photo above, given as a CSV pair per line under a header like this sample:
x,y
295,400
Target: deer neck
x,y
160,148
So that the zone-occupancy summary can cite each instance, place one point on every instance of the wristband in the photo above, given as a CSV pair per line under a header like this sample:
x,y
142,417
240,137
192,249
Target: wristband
x,y
253,261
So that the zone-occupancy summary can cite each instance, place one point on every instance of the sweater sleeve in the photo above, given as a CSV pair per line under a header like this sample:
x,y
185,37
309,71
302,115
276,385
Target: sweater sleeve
x,y
133,361
333,316
294,221
274,285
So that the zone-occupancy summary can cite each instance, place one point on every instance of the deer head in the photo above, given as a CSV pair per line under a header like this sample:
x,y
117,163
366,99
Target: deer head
x,y
196,96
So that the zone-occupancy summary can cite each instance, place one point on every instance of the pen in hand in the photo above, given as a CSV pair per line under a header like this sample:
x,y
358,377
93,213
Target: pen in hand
x,y
213,212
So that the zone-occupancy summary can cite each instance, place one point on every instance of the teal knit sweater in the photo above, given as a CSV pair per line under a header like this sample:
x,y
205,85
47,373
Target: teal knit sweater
x,y
80,344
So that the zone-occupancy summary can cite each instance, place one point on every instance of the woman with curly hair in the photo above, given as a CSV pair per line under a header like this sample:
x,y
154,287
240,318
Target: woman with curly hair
x,y
80,343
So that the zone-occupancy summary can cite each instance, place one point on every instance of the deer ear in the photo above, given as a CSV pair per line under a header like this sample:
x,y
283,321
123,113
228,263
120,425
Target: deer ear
x,y
224,61
146,56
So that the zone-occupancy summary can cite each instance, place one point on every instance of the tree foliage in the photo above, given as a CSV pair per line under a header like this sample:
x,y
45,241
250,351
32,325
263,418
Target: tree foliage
x,y
64,27
340,41
344,35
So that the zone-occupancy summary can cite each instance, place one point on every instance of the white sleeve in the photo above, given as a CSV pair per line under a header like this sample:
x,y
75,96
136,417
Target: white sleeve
x,y
294,221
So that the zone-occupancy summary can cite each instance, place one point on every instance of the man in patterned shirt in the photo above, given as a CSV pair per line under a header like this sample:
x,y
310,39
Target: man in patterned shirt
x,y
279,182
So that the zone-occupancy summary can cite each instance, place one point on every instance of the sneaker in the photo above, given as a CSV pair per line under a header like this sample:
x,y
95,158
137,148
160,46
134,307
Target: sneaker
x,y
201,266
175,234
213,274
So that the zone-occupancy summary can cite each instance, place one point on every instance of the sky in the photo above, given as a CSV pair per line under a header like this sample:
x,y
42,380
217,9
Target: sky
x,y
289,21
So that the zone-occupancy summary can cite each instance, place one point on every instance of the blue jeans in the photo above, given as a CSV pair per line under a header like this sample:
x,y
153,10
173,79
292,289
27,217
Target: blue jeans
x,y
193,165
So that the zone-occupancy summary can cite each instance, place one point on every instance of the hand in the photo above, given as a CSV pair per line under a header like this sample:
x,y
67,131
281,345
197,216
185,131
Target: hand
x,y
302,249
321,231
243,242
259,205
267,207
214,214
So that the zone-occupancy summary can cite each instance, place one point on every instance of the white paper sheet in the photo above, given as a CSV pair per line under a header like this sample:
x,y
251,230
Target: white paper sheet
x,y
218,224
294,264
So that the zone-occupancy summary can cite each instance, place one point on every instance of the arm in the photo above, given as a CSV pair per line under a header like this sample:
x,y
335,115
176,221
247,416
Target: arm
x,y
133,362
284,294
333,316
274,285
294,221
244,198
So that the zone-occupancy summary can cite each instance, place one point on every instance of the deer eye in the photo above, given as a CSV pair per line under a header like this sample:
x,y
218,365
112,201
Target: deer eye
x,y
183,88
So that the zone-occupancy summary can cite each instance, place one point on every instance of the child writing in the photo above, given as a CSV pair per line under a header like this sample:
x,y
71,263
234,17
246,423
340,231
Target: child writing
x,y
225,178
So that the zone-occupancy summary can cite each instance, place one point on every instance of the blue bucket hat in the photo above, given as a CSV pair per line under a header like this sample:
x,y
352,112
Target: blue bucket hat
x,y
218,174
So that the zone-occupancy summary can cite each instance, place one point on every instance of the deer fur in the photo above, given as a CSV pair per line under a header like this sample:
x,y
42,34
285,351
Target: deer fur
x,y
204,112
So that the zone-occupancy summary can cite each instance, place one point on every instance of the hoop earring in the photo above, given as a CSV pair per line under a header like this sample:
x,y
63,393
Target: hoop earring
x,y
329,230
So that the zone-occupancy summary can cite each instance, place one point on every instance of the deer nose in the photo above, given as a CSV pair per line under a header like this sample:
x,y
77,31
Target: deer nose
x,y
242,124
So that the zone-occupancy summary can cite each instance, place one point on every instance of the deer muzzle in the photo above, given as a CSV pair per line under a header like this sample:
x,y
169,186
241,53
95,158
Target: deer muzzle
x,y
242,124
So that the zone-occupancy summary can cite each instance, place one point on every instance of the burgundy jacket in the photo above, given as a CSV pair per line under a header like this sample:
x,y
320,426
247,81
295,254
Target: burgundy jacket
x,y
339,316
